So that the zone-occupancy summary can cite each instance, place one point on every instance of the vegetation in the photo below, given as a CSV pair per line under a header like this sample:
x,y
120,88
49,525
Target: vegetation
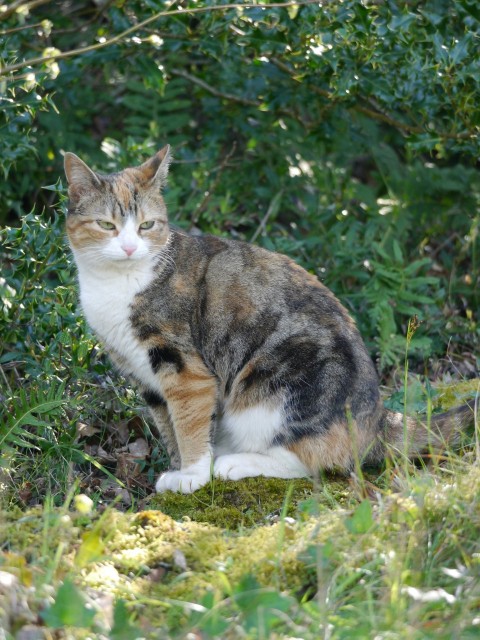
x,y
345,134
384,564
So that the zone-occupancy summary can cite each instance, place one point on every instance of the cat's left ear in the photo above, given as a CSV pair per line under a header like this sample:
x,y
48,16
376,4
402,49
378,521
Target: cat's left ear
x,y
155,170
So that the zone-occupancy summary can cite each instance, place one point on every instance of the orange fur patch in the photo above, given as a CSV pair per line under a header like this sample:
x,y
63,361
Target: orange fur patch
x,y
191,395
334,449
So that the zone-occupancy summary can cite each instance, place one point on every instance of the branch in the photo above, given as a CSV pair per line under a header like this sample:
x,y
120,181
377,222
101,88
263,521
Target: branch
x,y
201,207
21,3
371,113
215,92
101,45
234,98
7,32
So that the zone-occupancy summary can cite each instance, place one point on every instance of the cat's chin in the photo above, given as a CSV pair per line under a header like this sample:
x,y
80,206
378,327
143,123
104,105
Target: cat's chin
x,y
127,261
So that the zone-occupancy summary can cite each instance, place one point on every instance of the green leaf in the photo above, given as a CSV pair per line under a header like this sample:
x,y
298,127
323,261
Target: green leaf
x,y
259,604
91,549
211,622
122,628
69,609
362,519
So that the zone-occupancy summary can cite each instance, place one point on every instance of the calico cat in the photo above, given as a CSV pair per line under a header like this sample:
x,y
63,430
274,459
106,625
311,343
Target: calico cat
x,y
249,365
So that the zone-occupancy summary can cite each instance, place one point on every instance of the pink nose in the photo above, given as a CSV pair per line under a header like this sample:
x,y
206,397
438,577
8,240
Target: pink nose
x,y
129,249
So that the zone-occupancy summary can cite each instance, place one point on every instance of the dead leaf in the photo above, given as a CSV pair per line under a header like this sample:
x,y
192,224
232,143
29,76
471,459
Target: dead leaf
x,y
121,431
139,448
158,574
104,456
86,430
127,467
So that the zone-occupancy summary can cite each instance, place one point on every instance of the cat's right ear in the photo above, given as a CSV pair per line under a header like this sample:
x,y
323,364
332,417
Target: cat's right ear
x,y
79,176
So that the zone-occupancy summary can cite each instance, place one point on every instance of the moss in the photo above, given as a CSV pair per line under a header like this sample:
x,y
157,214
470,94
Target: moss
x,y
185,546
453,395
162,566
232,505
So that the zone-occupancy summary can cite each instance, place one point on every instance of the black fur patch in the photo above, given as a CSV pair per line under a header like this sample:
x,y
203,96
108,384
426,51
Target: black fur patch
x,y
296,433
261,376
153,399
165,355
146,331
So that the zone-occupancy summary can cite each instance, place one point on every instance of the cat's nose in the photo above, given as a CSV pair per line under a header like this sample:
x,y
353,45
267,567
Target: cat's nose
x,y
129,248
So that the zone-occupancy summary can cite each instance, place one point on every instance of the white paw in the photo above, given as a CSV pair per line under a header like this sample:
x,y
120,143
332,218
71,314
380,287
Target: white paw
x,y
233,467
188,479
180,481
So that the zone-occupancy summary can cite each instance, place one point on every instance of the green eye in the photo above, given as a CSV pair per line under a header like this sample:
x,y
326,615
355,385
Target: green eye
x,y
148,224
106,225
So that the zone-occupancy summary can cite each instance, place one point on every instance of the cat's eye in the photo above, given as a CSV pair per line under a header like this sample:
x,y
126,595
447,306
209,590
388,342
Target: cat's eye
x,y
148,224
108,226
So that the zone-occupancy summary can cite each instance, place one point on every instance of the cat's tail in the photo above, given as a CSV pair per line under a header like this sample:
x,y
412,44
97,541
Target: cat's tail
x,y
415,437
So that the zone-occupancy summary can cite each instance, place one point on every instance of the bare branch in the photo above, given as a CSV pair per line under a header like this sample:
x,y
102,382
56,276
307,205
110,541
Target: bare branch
x,y
203,204
238,99
7,32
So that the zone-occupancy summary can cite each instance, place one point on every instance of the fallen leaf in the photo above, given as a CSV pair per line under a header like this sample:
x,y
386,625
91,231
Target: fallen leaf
x,y
86,430
139,448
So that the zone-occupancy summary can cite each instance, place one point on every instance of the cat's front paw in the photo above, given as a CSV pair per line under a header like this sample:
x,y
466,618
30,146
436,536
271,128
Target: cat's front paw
x,y
182,481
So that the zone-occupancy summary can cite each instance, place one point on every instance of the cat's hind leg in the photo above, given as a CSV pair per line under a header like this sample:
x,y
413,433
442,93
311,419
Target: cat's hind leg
x,y
276,462
244,447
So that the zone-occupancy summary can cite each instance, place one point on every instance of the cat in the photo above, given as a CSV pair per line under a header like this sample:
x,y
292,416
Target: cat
x,y
248,364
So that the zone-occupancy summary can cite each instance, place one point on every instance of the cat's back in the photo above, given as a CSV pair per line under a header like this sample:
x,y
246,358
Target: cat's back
x,y
241,280
242,297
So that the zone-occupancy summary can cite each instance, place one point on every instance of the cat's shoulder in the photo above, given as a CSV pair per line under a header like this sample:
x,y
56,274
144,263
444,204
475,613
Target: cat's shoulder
x,y
221,247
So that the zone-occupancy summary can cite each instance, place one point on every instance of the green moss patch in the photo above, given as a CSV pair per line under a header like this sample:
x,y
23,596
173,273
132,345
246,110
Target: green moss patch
x,y
454,395
233,505
410,545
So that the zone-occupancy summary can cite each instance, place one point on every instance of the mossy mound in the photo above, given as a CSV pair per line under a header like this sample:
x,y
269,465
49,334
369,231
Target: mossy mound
x,y
244,503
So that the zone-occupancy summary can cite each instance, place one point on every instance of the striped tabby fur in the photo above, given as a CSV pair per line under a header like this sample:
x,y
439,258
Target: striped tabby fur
x,y
249,365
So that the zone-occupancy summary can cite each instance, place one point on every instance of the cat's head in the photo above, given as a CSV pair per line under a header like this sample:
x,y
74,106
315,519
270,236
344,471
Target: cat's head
x,y
118,219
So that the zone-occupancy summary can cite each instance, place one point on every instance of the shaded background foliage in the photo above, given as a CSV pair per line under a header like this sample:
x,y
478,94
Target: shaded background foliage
x,y
342,133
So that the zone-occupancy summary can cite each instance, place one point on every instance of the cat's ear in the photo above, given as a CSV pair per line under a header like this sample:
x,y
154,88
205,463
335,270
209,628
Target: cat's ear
x,y
79,176
155,170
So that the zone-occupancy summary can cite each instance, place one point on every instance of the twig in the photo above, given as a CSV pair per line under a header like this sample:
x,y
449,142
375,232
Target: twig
x,y
6,380
21,3
203,204
265,218
7,32
442,245
97,14
371,113
476,421
101,45
238,99
215,92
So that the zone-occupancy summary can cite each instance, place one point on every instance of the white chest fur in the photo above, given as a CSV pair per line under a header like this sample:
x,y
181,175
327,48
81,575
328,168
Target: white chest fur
x,y
106,300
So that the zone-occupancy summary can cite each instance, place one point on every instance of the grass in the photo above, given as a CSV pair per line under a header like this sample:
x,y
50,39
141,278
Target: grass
x,y
391,557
